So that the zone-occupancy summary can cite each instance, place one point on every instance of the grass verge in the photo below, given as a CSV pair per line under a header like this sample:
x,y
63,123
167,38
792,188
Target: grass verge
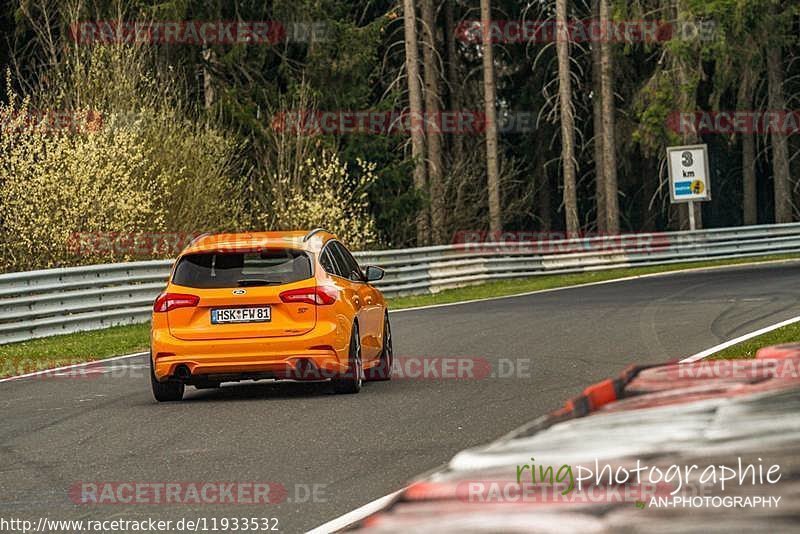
x,y
748,349
55,351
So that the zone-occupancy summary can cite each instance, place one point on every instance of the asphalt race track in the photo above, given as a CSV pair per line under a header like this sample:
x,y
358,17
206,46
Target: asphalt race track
x,y
58,431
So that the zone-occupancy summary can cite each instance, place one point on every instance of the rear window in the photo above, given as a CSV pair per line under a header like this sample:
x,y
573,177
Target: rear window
x,y
242,269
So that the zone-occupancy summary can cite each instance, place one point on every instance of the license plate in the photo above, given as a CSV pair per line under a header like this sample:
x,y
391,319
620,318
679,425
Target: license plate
x,y
240,315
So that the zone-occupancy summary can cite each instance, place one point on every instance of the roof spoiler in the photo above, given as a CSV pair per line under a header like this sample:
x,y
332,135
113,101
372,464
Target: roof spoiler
x,y
313,232
198,238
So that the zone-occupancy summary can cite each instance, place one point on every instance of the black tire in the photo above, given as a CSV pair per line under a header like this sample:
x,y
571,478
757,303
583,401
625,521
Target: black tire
x,y
383,371
350,382
169,391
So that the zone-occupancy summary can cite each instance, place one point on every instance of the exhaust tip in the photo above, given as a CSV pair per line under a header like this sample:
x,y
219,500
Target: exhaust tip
x,y
182,372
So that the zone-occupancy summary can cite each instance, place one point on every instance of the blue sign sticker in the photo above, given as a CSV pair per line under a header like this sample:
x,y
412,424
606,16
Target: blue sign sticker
x,y
683,188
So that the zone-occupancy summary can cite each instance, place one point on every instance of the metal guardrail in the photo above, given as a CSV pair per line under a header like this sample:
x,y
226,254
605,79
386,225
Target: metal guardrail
x,y
56,301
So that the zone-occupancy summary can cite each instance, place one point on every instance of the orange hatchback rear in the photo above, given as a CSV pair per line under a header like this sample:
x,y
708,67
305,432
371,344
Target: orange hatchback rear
x,y
269,305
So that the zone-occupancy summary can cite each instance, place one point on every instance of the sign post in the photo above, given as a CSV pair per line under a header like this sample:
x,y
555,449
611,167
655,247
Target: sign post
x,y
689,179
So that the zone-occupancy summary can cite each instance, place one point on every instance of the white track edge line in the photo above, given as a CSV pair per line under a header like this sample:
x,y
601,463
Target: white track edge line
x,y
56,369
722,346
358,514
602,282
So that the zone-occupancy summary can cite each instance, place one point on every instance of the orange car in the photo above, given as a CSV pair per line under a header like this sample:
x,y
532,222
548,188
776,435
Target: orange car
x,y
269,305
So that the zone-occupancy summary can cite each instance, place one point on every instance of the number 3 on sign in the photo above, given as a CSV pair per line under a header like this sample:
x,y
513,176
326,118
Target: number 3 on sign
x,y
688,173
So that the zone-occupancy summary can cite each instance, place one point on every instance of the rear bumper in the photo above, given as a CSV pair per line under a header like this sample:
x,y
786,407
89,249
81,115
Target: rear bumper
x,y
315,355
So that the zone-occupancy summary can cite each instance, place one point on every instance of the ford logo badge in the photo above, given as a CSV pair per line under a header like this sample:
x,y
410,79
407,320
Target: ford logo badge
x,y
239,291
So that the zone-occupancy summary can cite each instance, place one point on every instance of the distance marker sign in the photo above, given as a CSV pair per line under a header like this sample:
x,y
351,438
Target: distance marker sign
x,y
689,178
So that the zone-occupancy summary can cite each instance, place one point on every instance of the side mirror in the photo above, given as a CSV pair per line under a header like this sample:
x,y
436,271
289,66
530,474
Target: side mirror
x,y
374,273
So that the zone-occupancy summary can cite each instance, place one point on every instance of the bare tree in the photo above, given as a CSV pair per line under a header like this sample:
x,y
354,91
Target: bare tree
x,y
779,142
209,94
597,114
417,123
453,81
744,102
433,136
567,119
687,100
489,103
609,124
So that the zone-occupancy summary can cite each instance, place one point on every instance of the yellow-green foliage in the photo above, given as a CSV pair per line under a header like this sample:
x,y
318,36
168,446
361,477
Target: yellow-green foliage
x,y
146,172
324,194
136,172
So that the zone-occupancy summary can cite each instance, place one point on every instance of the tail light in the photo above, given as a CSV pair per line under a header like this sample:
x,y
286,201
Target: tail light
x,y
319,296
170,301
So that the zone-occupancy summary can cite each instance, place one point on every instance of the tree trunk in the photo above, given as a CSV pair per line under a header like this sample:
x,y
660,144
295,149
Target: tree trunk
x,y
567,120
545,201
209,95
597,113
433,136
778,140
417,124
609,125
489,103
744,102
453,82
649,192
543,198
